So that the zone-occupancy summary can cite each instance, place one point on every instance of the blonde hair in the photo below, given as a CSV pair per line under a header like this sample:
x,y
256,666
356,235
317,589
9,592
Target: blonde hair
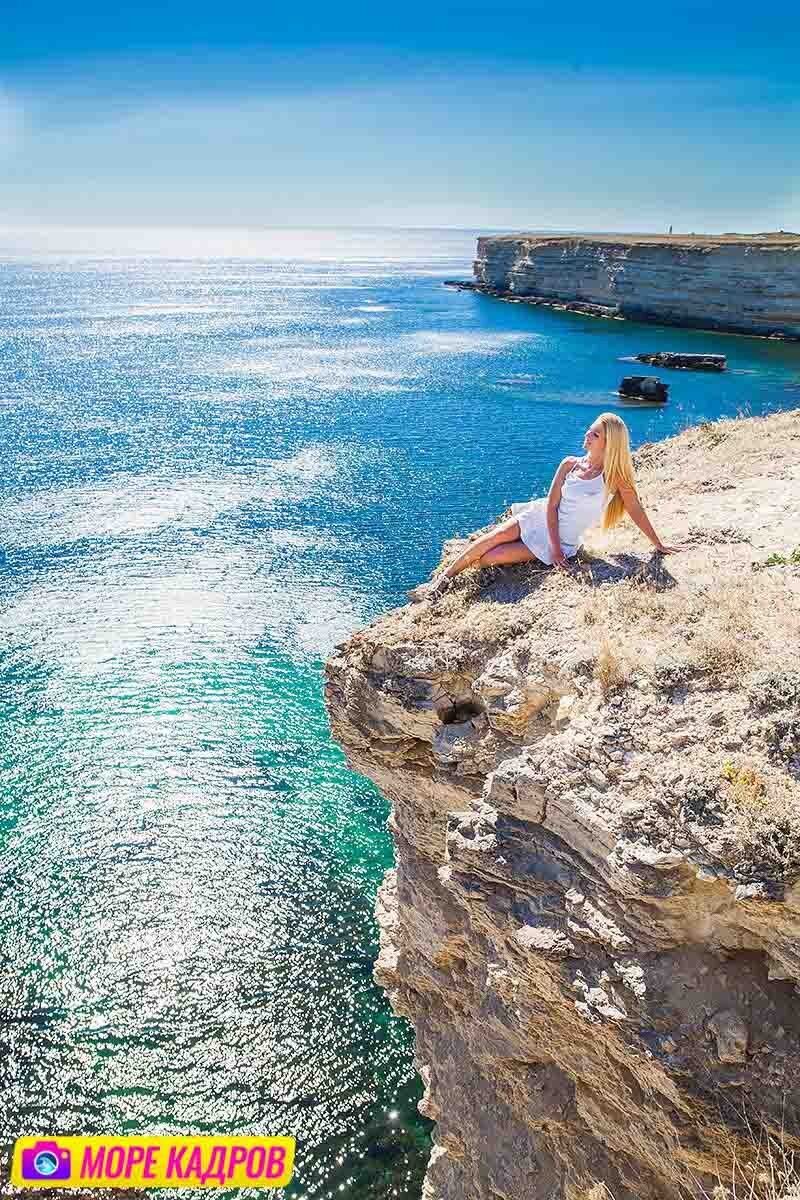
x,y
617,467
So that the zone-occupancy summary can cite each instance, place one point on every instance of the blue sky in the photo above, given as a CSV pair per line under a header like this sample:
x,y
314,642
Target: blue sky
x,y
501,115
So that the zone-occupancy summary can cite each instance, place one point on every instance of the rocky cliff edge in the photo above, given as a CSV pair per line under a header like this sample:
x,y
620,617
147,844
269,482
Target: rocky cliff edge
x,y
734,283
594,778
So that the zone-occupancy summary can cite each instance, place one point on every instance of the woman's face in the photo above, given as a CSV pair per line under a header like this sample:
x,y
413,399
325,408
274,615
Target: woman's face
x,y
595,438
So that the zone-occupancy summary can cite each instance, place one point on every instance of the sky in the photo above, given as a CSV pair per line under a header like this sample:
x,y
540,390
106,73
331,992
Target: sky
x,y
502,115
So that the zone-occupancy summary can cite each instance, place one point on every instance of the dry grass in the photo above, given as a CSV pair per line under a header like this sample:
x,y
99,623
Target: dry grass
x,y
742,446
497,623
701,620
714,431
611,670
726,619
723,630
762,807
765,1168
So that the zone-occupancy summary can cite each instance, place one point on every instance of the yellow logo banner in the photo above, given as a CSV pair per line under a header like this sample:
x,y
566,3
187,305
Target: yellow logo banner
x,y
107,1162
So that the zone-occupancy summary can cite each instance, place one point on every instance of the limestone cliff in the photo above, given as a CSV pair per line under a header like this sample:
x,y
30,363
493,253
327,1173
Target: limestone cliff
x,y
594,920
734,283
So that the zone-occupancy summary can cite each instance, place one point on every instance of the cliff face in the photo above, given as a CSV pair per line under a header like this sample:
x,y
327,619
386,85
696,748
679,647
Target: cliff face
x,y
594,923
736,284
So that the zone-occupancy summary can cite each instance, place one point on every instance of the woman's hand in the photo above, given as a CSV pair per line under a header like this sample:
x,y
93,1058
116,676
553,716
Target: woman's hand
x,y
640,518
553,501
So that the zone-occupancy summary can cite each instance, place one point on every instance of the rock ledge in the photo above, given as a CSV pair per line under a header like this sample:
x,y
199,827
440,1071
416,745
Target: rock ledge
x,y
594,918
732,283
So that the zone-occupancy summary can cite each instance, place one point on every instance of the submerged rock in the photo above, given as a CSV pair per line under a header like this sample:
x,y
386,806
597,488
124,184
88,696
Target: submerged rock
x,y
684,362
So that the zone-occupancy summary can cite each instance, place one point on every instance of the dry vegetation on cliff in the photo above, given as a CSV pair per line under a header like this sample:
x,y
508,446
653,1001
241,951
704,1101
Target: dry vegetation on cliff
x,y
720,619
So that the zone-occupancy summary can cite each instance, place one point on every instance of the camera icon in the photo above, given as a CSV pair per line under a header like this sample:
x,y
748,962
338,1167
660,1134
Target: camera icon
x,y
45,1160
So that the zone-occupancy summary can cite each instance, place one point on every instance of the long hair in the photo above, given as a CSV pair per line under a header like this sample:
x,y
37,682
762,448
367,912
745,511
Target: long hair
x,y
617,467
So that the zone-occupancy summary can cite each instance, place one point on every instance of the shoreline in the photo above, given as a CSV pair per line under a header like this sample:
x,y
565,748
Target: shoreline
x,y
608,312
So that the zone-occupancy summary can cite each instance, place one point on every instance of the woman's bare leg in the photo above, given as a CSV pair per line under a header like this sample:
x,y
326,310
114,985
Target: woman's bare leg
x,y
500,545
508,552
506,532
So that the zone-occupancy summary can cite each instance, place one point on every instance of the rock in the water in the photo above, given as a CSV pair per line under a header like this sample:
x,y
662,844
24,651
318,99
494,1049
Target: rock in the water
x,y
644,387
684,362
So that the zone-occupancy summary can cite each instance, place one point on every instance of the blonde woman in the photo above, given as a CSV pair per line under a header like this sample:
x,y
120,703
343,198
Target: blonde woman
x,y
599,486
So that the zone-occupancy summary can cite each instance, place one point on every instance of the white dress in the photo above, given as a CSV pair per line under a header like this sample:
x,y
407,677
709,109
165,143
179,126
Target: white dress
x,y
581,505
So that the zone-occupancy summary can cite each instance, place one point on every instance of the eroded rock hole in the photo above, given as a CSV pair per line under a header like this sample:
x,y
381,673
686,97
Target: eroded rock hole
x,y
454,714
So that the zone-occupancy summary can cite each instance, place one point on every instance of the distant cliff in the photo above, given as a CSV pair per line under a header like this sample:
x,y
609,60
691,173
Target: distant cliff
x,y
594,777
733,283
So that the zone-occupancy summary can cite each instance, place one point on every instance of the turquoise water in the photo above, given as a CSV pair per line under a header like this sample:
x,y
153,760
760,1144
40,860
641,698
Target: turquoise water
x,y
223,453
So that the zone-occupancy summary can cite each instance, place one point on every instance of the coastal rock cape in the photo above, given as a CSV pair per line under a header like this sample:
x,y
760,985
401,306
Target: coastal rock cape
x,y
737,283
594,918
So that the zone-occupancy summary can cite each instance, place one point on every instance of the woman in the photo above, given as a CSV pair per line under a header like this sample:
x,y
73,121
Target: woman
x,y
599,485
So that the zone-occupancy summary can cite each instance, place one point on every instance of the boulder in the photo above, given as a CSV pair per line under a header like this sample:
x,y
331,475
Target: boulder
x,y
644,387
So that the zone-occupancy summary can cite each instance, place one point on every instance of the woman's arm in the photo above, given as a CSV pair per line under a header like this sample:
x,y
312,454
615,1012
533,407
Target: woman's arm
x,y
633,508
553,501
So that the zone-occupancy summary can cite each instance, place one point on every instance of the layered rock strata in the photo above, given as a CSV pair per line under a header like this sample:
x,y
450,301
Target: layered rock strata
x,y
732,283
594,919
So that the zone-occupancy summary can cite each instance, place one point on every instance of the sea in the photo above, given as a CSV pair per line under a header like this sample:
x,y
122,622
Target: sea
x,y
222,453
